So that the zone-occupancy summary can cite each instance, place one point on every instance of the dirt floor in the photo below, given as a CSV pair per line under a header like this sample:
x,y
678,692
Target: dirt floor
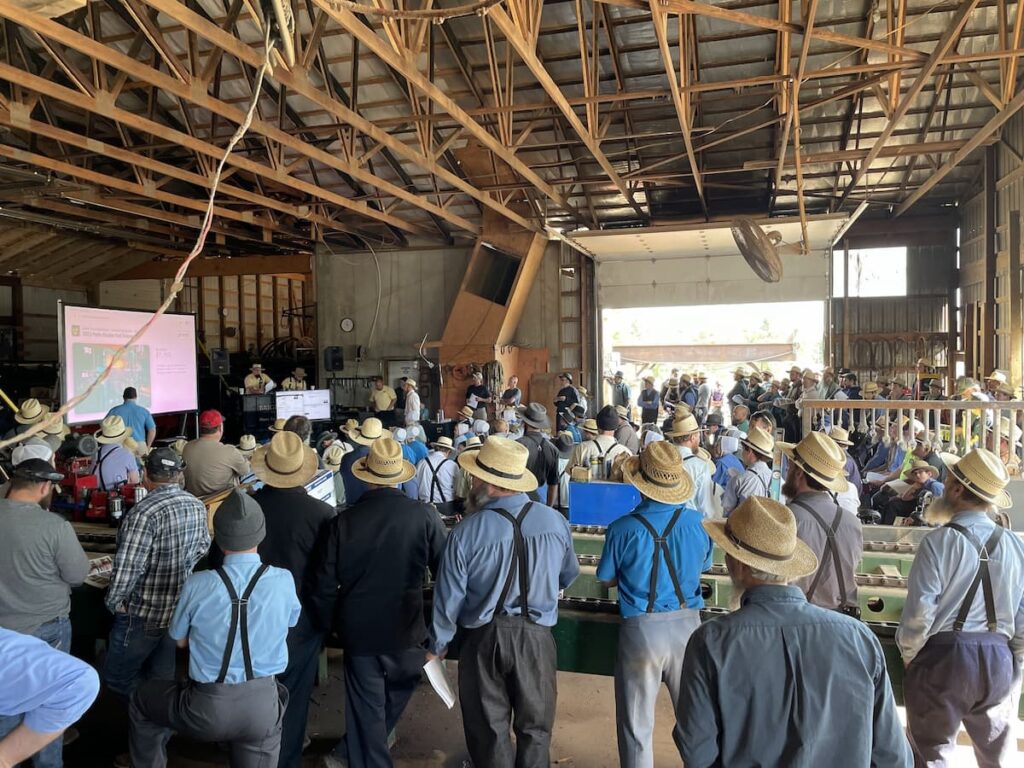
x,y
429,736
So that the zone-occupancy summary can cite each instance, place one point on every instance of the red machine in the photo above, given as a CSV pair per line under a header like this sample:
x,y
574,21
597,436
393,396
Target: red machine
x,y
78,487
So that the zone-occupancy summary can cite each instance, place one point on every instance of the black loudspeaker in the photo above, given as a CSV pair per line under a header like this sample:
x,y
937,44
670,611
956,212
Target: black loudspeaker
x,y
334,360
220,362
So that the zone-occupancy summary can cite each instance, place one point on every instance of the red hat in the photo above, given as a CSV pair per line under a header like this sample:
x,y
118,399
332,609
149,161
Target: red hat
x,y
210,419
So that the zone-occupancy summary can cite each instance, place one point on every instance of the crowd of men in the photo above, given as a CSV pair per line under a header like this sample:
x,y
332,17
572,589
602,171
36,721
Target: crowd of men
x,y
484,514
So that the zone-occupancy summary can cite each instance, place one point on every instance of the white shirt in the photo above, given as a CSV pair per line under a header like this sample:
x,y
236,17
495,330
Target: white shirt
x,y
703,395
755,480
412,407
700,473
446,469
944,567
602,445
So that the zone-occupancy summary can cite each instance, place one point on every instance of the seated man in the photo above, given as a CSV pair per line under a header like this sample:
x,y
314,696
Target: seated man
x,y
235,621
921,480
210,465
44,689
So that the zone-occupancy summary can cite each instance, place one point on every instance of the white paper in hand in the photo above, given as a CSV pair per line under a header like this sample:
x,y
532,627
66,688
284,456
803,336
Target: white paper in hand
x,y
439,682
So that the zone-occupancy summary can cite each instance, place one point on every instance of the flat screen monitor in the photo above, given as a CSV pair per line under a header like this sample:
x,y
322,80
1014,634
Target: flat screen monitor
x,y
314,404
161,365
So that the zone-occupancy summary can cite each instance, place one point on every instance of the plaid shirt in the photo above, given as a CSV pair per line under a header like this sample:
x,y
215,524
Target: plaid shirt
x,y
159,543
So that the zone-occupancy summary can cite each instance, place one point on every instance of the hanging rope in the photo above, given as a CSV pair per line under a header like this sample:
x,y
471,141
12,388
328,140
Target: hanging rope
x,y
437,15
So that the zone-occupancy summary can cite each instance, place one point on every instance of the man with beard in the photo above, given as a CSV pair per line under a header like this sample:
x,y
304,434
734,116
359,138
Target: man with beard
x,y
40,561
500,576
815,476
800,685
961,634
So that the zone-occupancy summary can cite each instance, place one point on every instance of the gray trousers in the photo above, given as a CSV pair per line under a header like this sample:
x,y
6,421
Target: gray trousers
x,y
507,677
247,716
651,649
969,678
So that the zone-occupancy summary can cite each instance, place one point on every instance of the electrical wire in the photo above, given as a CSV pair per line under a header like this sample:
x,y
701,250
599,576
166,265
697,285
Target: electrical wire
x,y
178,283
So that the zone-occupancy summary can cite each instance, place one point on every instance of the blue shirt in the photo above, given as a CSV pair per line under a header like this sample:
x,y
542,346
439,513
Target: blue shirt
x,y
50,688
476,562
934,487
417,450
577,436
117,463
135,417
723,464
628,556
203,616
782,682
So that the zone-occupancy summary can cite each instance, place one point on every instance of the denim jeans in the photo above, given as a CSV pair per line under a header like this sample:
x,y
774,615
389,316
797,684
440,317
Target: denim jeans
x,y
58,634
136,651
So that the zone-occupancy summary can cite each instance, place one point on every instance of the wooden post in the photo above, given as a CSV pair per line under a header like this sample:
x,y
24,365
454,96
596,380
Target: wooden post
x,y
846,303
1015,318
988,360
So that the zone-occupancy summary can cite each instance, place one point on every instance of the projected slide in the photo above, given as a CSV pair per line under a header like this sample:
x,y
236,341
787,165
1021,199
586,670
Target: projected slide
x,y
161,367
314,404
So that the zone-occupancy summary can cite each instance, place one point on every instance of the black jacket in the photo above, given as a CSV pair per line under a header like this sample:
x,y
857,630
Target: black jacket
x,y
369,576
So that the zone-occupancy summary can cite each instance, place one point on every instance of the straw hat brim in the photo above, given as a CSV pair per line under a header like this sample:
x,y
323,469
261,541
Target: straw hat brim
x,y
362,472
676,494
1001,499
759,451
929,469
306,472
525,483
358,437
837,484
802,563
33,420
113,439
442,446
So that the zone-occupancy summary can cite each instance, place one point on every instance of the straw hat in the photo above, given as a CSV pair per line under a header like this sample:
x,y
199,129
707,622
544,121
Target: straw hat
x,y
1005,389
590,425
278,425
922,464
443,443
621,411
31,412
820,458
179,445
384,464
583,391
247,443
741,371
760,442
870,388
761,533
334,454
648,379
795,369
467,412
703,454
285,462
473,443
57,429
112,431
984,475
370,430
841,436
351,425
659,475
502,463
686,425
994,376
809,374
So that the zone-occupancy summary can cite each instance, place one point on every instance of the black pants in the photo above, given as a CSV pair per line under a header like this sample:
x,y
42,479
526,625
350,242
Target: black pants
x,y
299,678
245,715
377,690
897,508
507,677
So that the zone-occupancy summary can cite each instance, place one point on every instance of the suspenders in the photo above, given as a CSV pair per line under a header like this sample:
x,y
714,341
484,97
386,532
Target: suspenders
x,y
661,550
98,469
982,577
832,550
518,564
435,484
239,615
764,483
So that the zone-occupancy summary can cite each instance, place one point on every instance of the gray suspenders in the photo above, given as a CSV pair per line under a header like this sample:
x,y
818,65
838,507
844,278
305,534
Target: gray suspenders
x,y
764,483
982,577
239,616
661,550
831,550
518,564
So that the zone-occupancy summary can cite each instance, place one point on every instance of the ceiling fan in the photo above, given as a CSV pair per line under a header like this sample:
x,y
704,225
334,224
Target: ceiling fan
x,y
761,249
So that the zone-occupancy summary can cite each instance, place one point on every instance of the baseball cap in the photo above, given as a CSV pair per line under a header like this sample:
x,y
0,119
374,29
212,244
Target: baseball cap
x,y
38,470
163,461
33,448
210,419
